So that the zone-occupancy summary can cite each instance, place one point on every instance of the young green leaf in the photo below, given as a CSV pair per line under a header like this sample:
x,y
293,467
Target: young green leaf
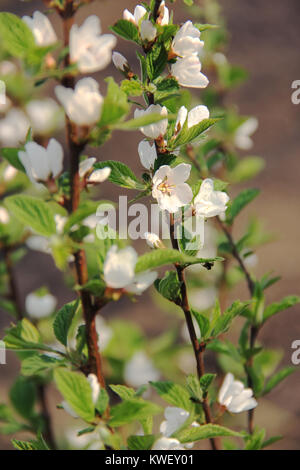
x,y
133,409
141,442
12,156
174,394
207,431
115,105
23,397
124,392
277,307
121,175
16,36
127,30
63,321
277,378
242,200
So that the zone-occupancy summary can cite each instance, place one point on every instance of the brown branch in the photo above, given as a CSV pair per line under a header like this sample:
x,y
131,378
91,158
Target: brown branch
x,y
198,348
47,434
75,148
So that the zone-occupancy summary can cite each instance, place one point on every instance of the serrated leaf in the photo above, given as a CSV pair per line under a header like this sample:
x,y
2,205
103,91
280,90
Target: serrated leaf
x,y
169,286
12,156
134,409
246,169
141,442
188,135
174,394
132,87
242,200
127,30
115,105
206,431
77,391
121,175
32,212
30,445
277,378
33,365
123,391
203,323
63,321
23,396
277,307
17,37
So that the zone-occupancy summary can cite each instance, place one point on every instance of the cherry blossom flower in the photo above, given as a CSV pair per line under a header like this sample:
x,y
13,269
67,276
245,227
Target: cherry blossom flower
x,y
148,31
153,240
95,386
148,154
83,104
119,271
158,129
41,163
244,132
208,202
10,173
99,176
175,419
13,128
170,189
187,71
120,62
88,48
45,116
4,216
234,396
41,28
139,13
163,14
193,117
139,370
187,41
167,443
40,306
85,166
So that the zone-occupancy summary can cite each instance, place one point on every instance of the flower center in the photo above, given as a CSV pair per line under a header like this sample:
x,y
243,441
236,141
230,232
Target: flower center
x,y
165,187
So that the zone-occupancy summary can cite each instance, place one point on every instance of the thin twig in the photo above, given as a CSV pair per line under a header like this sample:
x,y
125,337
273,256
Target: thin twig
x,y
198,348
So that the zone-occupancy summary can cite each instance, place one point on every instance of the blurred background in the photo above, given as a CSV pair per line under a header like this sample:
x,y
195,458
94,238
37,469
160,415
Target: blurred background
x,y
265,39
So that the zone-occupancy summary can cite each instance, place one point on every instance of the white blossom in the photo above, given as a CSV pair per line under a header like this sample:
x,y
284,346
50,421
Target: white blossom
x,y
38,306
164,15
152,240
4,216
120,62
148,154
167,443
83,104
187,41
69,409
187,71
85,166
42,163
88,48
194,117
208,202
170,189
158,129
244,132
95,386
139,13
234,396
104,331
60,222
44,115
100,175
119,271
139,370
41,28
148,31
9,173
13,128
174,420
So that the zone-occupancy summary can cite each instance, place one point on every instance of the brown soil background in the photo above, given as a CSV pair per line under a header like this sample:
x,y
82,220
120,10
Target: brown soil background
x,y
265,39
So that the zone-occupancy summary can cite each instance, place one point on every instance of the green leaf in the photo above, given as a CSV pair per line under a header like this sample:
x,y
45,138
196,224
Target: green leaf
x,y
174,394
207,431
23,396
115,104
271,441
30,445
141,442
32,212
103,401
193,386
77,391
246,169
203,323
134,409
121,175
156,61
85,210
206,380
205,26
161,257
241,201
188,135
169,286
277,378
224,321
132,87
12,156
63,321
124,392
34,365
142,121
256,440
277,307
127,30
16,36
24,336
165,87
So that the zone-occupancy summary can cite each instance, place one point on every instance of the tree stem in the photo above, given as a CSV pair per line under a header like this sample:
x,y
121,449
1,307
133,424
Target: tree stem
x,y
198,348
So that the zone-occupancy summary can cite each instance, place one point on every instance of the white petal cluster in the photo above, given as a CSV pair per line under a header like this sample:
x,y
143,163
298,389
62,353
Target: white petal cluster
x,y
187,41
93,176
235,397
187,71
13,128
9,173
167,443
208,202
158,129
140,370
83,104
120,62
119,271
148,154
45,116
153,240
38,306
41,28
148,31
95,386
4,216
170,189
193,117
42,163
163,14
88,48
244,132
174,420
139,13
